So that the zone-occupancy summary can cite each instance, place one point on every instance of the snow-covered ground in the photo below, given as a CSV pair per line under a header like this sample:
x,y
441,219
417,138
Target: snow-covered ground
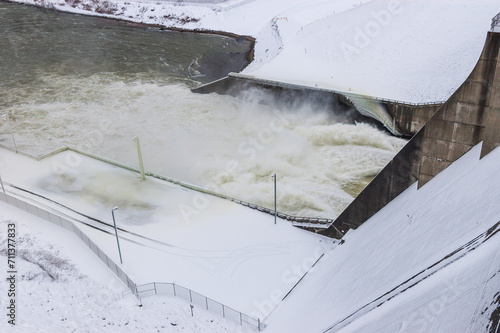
x,y
63,287
429,261
409,50
207,244
398,272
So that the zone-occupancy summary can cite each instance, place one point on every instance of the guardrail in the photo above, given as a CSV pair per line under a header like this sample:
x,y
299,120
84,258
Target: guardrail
x,y
298,219
229,7
495,22
297,86
172,289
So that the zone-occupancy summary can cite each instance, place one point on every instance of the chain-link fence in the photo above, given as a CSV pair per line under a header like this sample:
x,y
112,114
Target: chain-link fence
x,y
143,290
68,225
172,289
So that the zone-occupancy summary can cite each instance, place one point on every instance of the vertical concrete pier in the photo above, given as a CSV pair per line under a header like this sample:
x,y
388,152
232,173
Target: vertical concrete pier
x,y
471,115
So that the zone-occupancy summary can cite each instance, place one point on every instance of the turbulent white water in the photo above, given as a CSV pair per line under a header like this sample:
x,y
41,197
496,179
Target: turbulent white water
x,y
230,145
119,81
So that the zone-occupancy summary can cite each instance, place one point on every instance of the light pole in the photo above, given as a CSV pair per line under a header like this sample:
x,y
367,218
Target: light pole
x,y
116,233
275,212
6,117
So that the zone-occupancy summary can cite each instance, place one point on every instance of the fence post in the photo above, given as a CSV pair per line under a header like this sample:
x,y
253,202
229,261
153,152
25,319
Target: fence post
x,y
154,284
258,323
190,296
206,302
137,293
175,294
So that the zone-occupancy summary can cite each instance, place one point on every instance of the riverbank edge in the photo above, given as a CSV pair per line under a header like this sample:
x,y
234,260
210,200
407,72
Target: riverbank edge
x,y
249,55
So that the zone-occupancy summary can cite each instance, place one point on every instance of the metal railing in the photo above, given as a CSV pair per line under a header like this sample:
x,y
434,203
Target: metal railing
x,y
219,6
172,289
298,86
495,22
294,219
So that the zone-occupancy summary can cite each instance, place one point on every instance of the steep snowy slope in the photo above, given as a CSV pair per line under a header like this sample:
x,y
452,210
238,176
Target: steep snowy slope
x,y
448,227
460,298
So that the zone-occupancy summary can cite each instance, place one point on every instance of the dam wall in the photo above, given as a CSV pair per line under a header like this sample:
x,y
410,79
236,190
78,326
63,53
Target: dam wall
x,y
410,118
471,115
440,132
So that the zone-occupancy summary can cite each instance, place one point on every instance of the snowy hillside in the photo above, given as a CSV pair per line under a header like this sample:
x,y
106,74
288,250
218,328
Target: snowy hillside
x,y
428,261
413,50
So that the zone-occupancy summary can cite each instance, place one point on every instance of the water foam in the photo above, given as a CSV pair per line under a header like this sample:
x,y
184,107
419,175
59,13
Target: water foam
x,y
229,145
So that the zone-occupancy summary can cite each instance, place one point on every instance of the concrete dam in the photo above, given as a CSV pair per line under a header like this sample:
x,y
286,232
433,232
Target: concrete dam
x,y
471,115
440,132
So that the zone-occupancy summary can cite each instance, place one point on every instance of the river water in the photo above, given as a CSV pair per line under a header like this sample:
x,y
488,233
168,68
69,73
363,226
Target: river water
x,y
93,84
